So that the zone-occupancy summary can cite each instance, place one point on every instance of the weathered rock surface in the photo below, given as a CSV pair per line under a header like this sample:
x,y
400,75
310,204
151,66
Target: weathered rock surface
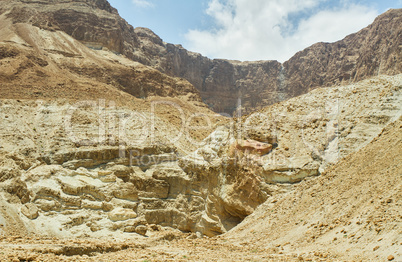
x,y
223,84
47,63
372,51
253,147
121,214
158,158
97,168
350,212
90,189
30,210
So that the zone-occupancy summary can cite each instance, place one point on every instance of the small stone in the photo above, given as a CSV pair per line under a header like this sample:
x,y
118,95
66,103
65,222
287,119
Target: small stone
x,y
377,247
155,227
121,214
129,229
390,257
141,229
30,210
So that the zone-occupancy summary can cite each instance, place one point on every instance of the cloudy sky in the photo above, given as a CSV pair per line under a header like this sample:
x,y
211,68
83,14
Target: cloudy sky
x,y
251,29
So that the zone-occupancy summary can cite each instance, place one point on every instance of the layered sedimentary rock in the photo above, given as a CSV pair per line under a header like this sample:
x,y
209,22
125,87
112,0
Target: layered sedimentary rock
x,y
350,212
93,143
95,188
224,85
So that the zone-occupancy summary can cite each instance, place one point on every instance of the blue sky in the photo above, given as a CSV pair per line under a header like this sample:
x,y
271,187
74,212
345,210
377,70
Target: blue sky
x,y
251,29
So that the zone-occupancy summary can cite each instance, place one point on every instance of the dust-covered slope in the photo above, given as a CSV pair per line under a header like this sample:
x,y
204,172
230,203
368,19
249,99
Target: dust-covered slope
x,y
39,63
95,144
352,211
66,107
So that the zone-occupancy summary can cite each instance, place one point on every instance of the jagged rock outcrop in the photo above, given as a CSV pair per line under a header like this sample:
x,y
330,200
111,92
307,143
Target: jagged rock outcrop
x,y
351,212
373,51
224,84
46,62
95,188
82,167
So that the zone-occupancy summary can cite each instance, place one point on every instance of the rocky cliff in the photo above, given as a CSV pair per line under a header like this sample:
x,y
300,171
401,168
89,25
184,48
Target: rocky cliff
x,y
373,51
95,144
351,212
62,177
224,84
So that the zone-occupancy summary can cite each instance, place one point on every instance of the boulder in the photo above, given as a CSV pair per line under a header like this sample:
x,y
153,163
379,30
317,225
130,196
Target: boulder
x,y
121,214
30,210
141,229
253,146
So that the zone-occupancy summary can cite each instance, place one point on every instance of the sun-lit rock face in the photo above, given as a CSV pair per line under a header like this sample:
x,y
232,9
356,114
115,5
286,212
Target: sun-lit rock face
x,y
100,188
224,85
228,85
253,147
93,143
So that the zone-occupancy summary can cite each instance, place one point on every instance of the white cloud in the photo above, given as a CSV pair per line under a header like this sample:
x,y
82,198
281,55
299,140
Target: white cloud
x,y
262,30
142,3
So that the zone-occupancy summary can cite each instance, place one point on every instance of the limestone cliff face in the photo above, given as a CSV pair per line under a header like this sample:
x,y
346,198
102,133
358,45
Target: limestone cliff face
x,y
224,84
373,51
93,22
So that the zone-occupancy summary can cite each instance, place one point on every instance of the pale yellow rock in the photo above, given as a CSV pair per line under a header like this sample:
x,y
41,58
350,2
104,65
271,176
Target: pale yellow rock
x,y
141,229
108,178
30,210
121,214
104,173
93,205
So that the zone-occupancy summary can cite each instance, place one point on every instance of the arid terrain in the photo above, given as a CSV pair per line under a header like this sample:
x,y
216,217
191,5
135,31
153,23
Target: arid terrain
x,y
113,145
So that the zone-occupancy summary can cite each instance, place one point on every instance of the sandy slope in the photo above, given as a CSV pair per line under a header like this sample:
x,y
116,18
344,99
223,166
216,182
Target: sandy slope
x,y
352,211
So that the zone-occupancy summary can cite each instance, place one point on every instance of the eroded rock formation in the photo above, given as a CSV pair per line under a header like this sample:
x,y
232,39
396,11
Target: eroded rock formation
x,y
109,189
93,143
224,85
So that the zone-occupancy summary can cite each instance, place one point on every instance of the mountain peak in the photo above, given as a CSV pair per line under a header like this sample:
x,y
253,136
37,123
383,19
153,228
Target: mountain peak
x,y
372,51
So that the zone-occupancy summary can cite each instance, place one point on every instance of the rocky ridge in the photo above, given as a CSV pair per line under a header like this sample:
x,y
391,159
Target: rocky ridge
x,y
102,189
70,191
374,50
91,173
93,144
350,212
